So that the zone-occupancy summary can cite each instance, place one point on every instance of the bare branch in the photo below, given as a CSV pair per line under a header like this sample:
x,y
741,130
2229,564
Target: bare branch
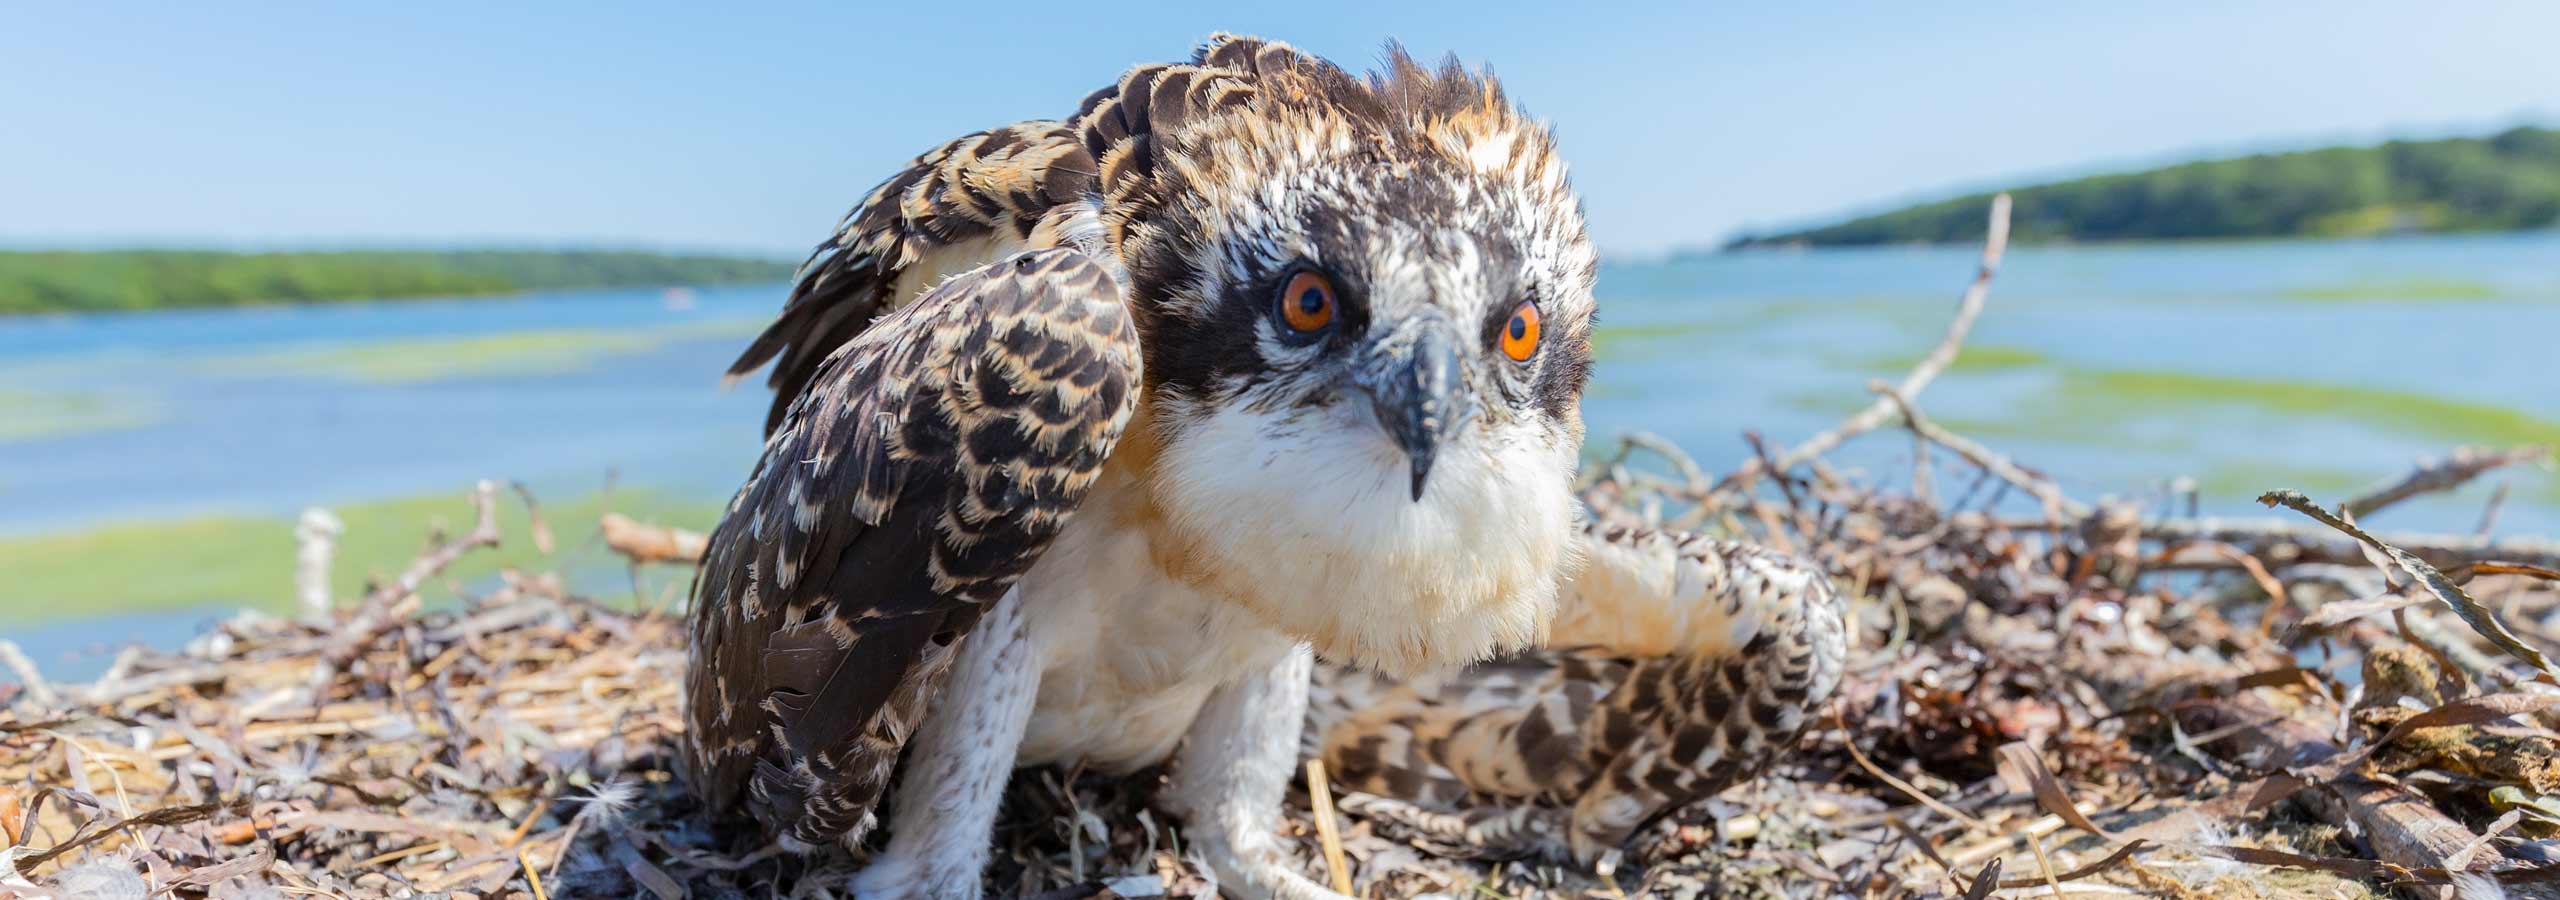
x,y
2314,543
38,689
1995,244
382,609
484,533
651,543
2454,471
2043,489
2481,618
316,545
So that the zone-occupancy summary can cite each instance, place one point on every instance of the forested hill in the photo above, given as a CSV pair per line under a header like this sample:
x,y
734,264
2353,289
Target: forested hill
x,y
99,280
2508,181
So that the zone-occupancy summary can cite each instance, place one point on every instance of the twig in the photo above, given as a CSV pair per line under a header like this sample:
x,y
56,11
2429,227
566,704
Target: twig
x,y
2480,618
651,543
1995,243
2043,489
38,689
316,544
2489,511
379,610
2454,471
2320,544
484,533
2402,827
1898,784
540,529
531,878
1328,832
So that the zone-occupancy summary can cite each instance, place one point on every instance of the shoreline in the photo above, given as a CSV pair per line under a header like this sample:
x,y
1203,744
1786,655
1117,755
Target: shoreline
x,y
78,282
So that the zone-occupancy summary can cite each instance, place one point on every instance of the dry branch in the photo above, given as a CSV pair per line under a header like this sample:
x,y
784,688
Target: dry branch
x,y
397,749
2056,505
2401,826
315,546
382,606
2455,470
2481,618
652,543
1995,244
2292,541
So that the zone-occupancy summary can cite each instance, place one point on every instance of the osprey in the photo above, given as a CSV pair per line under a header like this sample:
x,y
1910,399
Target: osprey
x,y
1089,434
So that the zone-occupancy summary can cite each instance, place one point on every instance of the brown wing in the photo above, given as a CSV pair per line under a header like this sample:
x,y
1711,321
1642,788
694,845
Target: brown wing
x,y
926,467
993,184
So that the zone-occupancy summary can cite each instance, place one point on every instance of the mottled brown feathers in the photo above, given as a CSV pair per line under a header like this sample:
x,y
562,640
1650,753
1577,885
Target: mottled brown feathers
x,y
981,185
922,452
919,473
1618,733
1154,135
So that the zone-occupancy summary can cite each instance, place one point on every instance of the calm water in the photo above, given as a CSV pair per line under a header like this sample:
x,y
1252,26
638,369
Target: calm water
x,y
2320,365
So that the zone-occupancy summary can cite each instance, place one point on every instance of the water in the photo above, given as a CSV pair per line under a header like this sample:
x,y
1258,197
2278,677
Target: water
x,y
2315,365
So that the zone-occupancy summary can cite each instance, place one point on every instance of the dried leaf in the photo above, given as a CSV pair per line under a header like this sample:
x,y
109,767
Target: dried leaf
x,y
2478,616
217,874
2345,611
2120,854
2020,763
1985,881
2507,568
653,878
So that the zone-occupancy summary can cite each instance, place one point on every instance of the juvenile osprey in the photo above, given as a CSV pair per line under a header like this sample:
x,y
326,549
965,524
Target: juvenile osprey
x,y
1088,432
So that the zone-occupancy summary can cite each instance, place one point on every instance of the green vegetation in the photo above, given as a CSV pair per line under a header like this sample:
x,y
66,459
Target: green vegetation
x,y
28,415
2507,181
1624,341
249,560
417,360
2404,289
2451,421
104,280
2094,405
2231,479
1972,358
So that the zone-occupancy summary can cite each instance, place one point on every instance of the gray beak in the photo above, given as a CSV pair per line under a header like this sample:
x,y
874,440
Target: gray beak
x,y
1417,386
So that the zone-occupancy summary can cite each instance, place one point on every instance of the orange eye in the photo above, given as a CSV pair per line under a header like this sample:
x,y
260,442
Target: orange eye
x,y
1520,335
1307,302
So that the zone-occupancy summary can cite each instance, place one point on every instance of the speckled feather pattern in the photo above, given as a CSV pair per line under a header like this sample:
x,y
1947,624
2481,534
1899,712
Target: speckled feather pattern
x,y
922,472
935,424
1681,665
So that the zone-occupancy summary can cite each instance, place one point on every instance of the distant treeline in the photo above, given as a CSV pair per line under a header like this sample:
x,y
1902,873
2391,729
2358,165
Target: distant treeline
x,y
2509,181
52,281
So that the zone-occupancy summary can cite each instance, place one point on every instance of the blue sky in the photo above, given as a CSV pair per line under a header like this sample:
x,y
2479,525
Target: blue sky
x,y
680,126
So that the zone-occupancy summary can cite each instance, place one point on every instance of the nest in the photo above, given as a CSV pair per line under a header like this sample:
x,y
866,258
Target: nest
x,y
2047,697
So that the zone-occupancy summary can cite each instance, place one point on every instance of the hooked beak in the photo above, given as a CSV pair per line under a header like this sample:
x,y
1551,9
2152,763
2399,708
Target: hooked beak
x,y
1418,389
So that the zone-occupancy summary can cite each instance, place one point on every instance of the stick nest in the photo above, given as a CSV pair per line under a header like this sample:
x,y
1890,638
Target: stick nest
x,y
2080,699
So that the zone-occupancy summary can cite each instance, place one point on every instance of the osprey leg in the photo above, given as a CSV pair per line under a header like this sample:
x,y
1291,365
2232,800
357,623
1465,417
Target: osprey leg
x,y
944,819
1232,773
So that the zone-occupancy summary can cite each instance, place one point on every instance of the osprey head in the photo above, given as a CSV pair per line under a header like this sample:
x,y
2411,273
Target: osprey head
x,y
1367,308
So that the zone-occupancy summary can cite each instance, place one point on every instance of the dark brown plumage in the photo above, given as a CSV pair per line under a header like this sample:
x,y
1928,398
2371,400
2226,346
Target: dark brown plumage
x,y
1146,145
923,457
818,632
923,469
1001,180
